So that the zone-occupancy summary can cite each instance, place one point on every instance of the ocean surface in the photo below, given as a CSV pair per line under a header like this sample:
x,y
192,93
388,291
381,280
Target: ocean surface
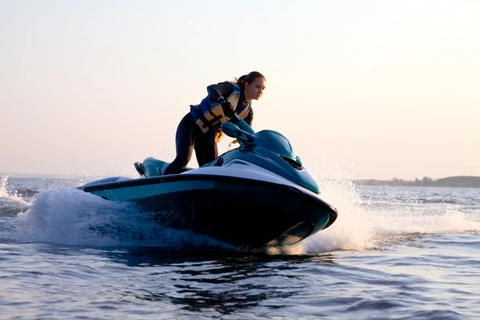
x,y
393,253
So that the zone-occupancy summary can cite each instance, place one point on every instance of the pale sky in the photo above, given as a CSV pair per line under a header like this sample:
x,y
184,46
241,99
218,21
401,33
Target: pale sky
x,y
374,89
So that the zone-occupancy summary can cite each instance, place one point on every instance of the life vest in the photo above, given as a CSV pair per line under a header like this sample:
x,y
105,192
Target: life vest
x,y
209,115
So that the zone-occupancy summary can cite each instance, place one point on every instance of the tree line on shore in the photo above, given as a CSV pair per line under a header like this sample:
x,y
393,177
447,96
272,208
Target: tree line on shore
x,y
458,181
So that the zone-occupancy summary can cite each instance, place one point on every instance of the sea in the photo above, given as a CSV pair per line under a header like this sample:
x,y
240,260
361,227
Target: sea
x,y
394,253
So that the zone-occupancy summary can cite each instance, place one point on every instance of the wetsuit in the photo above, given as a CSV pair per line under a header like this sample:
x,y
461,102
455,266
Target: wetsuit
x,y
189,136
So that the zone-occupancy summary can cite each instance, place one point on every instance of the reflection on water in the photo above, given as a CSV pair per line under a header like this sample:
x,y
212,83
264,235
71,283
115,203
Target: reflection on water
x,y
222,281
403,253
147,283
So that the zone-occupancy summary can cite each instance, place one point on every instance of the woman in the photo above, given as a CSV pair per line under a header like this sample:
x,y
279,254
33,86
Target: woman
x,y
200,128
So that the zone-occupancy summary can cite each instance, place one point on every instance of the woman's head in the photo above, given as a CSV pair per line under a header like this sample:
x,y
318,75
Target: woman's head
x,y
252,85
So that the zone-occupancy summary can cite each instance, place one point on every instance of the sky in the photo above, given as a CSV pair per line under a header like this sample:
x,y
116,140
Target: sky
x,y
367,89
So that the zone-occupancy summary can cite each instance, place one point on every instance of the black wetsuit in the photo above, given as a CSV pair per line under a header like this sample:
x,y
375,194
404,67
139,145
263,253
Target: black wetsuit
x,y
189,136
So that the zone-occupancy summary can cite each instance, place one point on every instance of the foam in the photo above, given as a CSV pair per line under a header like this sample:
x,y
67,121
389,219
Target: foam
x,y
358,228
73,217
10,205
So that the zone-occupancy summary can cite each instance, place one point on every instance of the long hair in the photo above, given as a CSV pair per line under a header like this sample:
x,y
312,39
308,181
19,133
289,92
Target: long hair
x,y
249,78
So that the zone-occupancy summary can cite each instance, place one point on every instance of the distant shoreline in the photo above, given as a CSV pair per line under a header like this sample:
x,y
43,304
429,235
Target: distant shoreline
x,y
453,182
49,176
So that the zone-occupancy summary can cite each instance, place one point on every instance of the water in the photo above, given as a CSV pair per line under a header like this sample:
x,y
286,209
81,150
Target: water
x,y
394,253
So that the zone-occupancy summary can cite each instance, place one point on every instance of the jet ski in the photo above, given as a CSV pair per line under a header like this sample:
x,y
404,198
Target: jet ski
x,y
256,195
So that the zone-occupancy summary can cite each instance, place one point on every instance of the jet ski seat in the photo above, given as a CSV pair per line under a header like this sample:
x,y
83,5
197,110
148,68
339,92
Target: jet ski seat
x,y
151,167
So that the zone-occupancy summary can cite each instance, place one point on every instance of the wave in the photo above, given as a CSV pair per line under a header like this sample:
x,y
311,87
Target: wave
x,y
73,217
26,193
10,205
425,200
365,225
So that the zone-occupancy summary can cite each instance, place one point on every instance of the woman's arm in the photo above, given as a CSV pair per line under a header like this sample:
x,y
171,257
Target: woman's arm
x,y
219,91
249,118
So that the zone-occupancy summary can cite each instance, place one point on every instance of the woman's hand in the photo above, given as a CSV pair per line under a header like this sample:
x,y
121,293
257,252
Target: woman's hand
x,y
227,108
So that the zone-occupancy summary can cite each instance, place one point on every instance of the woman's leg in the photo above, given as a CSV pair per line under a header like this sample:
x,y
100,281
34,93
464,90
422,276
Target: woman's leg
x,y
184,141
205,149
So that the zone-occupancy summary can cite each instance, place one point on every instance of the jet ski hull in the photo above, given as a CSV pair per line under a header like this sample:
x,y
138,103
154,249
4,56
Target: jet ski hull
x,y
240,211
